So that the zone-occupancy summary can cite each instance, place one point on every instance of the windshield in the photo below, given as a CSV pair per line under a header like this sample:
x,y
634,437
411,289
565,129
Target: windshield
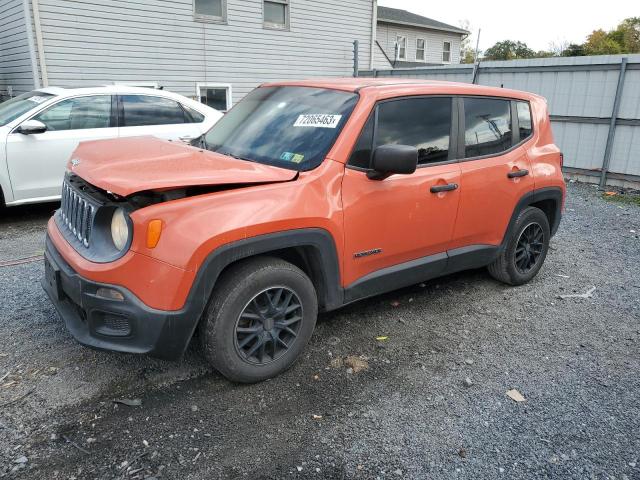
x,y
12,109
290,127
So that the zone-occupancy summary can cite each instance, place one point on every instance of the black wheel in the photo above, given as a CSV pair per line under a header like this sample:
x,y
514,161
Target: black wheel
x,y
261,316
526,249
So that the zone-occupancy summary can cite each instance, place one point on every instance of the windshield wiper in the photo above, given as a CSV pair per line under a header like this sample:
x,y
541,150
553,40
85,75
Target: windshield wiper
x,y
237,157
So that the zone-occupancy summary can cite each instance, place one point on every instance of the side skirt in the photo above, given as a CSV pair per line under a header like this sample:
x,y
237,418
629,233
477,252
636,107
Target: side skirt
x,y
420,270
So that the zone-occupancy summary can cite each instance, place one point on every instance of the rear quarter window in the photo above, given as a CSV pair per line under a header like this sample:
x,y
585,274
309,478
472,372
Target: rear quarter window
x,y
525,123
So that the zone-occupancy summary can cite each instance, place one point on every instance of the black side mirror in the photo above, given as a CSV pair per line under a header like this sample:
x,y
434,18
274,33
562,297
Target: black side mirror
x,y
30,127
390,159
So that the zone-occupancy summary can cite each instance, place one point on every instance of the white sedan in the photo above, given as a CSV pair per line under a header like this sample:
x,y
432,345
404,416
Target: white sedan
x,y
39,130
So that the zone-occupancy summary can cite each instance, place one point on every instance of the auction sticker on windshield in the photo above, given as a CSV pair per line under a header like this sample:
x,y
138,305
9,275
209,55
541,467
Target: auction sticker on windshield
x,y
318,120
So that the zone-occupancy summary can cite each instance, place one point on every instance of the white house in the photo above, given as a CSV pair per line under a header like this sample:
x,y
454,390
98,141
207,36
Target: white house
x,y
213,50
405,39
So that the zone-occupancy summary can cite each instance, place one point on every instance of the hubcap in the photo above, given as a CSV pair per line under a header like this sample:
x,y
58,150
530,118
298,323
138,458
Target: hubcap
x,y
268,326
529,247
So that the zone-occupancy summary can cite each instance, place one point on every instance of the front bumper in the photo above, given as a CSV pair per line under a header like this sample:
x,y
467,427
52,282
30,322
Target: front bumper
x,y
120,325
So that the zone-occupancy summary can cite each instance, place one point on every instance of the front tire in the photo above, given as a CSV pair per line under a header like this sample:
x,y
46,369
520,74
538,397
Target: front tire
x,y
526,249
260,318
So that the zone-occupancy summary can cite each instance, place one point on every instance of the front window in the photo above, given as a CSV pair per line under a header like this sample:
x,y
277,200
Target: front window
x,y
215,96
78,113
420,50
446,52
210,10
276,14
289,127
18,106
401,47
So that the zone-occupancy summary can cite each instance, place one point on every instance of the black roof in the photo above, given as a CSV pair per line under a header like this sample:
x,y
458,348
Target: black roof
x,y
402,17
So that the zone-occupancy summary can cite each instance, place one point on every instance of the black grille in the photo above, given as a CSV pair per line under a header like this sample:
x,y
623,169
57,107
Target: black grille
x,y
77,213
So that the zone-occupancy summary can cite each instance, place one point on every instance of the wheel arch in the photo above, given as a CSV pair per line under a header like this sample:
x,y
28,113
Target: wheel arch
x,y
313,250
548,199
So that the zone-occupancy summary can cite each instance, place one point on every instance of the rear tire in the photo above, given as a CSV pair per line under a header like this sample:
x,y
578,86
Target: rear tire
x,y
260,318
525,250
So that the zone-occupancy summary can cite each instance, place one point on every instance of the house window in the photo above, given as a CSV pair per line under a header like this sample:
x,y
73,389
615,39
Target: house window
x,y
276,14
401,47
420,50
446,52
210,10
216,96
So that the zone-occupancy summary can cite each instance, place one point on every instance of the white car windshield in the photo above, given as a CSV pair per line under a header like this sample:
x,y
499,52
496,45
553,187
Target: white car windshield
x,y
13,108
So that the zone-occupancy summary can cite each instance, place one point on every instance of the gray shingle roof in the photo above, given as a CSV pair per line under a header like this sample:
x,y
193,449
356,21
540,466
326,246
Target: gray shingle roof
x,y
402,17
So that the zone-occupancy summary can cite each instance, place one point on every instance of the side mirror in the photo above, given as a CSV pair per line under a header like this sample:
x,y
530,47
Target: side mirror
x,y
390,159
31,126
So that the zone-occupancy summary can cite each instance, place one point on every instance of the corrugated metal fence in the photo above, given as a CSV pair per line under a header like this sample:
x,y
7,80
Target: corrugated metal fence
x,y
594,104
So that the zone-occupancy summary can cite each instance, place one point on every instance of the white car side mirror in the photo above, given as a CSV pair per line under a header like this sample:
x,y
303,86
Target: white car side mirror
x,y
31,126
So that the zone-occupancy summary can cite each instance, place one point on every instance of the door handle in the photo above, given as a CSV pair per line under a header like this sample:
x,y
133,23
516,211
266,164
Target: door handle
x,y
518,173
444,188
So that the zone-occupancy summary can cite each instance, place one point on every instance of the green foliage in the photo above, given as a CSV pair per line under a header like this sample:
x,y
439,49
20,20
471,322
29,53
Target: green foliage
x,y
625,38
509,50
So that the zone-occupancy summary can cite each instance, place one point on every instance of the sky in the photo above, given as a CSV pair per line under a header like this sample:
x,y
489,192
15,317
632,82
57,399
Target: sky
x,y
538,24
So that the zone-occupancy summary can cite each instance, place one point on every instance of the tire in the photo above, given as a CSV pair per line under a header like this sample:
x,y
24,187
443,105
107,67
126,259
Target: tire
x,y
246,298
513,264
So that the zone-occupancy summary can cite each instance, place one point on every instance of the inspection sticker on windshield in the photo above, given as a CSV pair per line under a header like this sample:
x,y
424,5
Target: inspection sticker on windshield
x,y
318,120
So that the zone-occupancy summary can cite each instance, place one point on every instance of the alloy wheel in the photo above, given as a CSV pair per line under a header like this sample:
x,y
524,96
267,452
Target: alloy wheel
x,y
268,325
529,248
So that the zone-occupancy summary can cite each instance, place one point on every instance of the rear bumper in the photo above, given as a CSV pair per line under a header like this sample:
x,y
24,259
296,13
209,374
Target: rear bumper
x,y
126,325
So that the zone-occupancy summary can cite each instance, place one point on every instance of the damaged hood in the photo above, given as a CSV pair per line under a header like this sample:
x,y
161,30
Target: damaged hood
x,y
125,166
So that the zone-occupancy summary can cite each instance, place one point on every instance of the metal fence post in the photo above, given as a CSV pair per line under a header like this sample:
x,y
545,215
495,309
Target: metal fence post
x,y
355,58
476,73
612,124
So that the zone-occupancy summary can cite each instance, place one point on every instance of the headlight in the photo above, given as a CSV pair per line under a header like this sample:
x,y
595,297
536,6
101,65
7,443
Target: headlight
x,y
119,229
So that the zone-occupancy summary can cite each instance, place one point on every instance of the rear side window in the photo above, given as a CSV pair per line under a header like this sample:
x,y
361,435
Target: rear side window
x,y
142,110
424,123
487,126
78,113
524,119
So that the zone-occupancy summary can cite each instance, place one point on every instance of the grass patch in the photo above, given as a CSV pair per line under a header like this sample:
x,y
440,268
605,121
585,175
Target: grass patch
x,y
626,198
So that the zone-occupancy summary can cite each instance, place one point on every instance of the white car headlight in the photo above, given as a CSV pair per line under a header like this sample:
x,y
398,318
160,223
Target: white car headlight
x,y
119,229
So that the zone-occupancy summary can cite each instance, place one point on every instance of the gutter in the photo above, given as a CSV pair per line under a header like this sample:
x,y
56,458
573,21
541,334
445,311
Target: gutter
x,y
374,31
40,42
32,53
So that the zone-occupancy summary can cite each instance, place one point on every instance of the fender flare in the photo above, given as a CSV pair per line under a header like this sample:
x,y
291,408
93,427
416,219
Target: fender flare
x,y
535,196
318,240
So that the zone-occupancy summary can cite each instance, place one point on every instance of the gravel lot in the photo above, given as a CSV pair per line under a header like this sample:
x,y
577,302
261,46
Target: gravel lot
x,y
429,402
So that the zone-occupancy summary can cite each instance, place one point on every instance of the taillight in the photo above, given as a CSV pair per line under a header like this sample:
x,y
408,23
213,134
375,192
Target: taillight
x,y
561,159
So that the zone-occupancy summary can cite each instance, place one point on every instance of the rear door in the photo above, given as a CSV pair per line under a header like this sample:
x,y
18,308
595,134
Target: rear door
x,y
158,116
37,162
392,221
496,171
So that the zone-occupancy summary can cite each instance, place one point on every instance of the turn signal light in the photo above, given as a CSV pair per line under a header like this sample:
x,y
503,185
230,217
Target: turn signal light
x,y
154,229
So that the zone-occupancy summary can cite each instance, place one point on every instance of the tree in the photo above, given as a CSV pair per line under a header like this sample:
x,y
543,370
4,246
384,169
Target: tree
x,y
467,53
627,35
509,50
574,50
601,43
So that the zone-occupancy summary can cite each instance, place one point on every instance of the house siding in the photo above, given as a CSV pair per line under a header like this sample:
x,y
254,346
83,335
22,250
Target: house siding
x,y
386,36
16,71
105,41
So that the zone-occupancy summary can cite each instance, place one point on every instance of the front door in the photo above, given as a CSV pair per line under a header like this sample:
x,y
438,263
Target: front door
x,y
37,162
404,217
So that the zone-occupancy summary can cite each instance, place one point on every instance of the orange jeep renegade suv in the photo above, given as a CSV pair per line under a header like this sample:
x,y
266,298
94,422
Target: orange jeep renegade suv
x,y
306,196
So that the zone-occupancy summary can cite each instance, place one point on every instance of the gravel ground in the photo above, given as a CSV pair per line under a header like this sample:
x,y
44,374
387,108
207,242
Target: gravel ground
x,y
428,402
